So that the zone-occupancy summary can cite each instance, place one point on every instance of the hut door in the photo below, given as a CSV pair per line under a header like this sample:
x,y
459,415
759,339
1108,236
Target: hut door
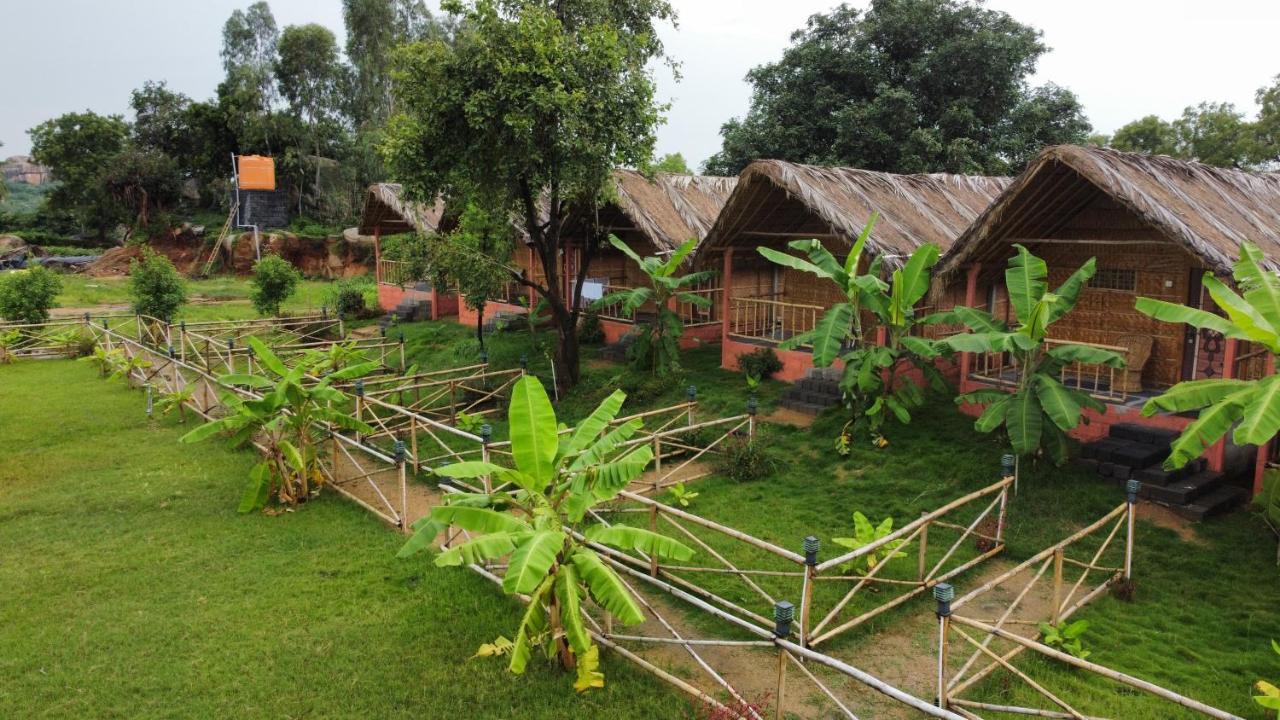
x,y
1203,350
1190,336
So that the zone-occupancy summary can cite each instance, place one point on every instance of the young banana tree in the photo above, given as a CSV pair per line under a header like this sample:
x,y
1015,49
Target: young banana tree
x,y
288,420
870,380
540,523
657,347
1251,406
1039,411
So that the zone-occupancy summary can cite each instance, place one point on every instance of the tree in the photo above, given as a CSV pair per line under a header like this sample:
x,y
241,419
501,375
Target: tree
x,y
657,347
529,110
1252,407
141,182
672,163
309,73
161,119
374,29
1215,134
78,148
470,258
298,405
869,380
1149,135
249,39
1039,411
906,86
26,296
541,524
155,287
274,281
1266,130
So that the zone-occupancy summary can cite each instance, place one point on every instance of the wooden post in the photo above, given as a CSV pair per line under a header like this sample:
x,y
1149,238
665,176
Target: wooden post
x,y
970,300
453,405
924,549
1131,515
779,713
404,487
943,593
413,443
811,547
726,281
653,527
783,614
1057,585
1000,519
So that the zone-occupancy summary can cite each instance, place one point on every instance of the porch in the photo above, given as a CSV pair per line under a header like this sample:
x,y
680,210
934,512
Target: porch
x,y
701,324
397,291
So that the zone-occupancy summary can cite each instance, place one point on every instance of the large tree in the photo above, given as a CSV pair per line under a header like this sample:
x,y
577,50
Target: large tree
x,y
529,110
374,29
161,119
249,39
1148,134
78,148
310,73
906,86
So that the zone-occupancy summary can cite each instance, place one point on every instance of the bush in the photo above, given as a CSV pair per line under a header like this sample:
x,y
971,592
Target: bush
x,y
589,330
761,363
643,387
155,286
745,460
274,281
351,298
27,295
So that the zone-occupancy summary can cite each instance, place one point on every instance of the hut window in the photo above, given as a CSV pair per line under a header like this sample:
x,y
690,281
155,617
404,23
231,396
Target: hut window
x,y
1114,279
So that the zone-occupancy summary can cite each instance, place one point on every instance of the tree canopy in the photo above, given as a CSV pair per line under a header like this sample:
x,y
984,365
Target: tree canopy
x,y
906,86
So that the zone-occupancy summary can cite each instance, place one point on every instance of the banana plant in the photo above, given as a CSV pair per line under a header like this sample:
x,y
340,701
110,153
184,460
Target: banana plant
x,y
9,342
1038,411
1067,637
865,533
338,356
870,381
172,400
106,360
657,346
541,524
126,365
1269,694
288,420
1251,406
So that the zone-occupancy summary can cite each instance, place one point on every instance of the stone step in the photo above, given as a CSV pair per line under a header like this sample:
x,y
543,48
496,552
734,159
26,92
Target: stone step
x,y
1139,455
1217,502
1185,490
804,407
1142,434
821,385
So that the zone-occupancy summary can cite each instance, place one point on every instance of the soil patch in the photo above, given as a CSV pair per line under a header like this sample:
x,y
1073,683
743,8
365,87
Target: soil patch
x,y
787,416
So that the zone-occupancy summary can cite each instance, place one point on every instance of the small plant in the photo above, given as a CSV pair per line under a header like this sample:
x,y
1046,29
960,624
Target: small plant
x,y
106,360
9,342
337,356
589,330
350,298
26,296
681,495
745,460
167,402
864,533
1067,638
1270,697
68,341
467,422
156,288
125,366
274,281
762,363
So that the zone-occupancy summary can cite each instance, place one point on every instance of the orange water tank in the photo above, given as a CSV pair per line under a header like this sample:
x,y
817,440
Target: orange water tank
x,y
257,172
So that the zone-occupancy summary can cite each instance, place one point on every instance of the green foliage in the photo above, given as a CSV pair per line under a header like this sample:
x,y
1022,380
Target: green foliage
x,y
860,88
9,342
760,363
681,495
27,295
657,343
1039,411
529,109
167,402
155,287
872,388
290,421
1269,696
1252,407
1149,135
589,330
671,163
1066,637
540,524
139,186
746,460
274,281
865,533
374,29
353,297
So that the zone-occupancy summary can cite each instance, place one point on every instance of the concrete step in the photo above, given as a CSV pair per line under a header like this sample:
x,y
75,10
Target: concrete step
x,y
1139,455
1185,490
1142,434
1217,502
802,406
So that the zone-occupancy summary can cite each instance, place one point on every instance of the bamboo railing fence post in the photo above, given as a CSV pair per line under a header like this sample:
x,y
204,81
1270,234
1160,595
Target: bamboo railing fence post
x,y
811,547
1131,488
486,432
137,320
413,442
944,593
653,527
692,394
783,614
333,454
1002,517
231,358
359,404
1057,585
923,548
453,404
404,487
402,365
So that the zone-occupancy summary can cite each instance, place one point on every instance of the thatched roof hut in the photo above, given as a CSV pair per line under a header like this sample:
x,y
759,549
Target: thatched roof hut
x,y
1207,211
387,212
665,210
776,201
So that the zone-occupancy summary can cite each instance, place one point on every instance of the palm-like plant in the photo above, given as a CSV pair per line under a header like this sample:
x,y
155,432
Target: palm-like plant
x,y
657,345
289,420
865,533
106,360
338,356
172,400
126,365
869,381
1039,411
540,523
1251,406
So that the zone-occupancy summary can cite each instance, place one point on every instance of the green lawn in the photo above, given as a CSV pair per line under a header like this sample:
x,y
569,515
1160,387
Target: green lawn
x,y
129,588
81,291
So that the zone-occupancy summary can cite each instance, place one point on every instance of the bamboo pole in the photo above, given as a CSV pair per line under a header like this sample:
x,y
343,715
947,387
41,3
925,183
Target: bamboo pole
x,y
1021,675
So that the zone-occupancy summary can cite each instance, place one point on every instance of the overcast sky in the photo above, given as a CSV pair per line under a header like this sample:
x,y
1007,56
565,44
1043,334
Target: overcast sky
x,y
1124,58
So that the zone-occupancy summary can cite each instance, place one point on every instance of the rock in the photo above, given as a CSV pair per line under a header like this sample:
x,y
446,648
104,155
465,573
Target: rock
x,y
10,243
21,169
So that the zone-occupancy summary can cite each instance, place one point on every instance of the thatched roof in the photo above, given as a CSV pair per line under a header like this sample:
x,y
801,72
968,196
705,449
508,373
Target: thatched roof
x,y
666,209
1208,211
387,211
777,201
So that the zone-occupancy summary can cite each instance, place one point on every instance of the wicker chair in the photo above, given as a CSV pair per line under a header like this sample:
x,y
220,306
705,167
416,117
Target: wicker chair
x,y
1137,353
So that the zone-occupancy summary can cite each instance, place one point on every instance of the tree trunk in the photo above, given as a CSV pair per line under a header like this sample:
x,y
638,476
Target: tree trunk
x,y
480,326
568,372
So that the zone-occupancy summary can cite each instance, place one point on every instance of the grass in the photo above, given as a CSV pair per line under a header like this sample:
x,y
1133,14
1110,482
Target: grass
x,y
232,292
129,588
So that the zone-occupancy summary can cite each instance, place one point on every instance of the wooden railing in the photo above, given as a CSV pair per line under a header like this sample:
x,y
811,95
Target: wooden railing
x,y
614,311
771,320
393,272
1101,381
1251,362
691,314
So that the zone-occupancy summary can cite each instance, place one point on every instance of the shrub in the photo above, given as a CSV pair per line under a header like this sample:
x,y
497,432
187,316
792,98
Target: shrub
x,y
274,280
745,460
351,298
642,388
761,363
589,330
27,295
155,286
